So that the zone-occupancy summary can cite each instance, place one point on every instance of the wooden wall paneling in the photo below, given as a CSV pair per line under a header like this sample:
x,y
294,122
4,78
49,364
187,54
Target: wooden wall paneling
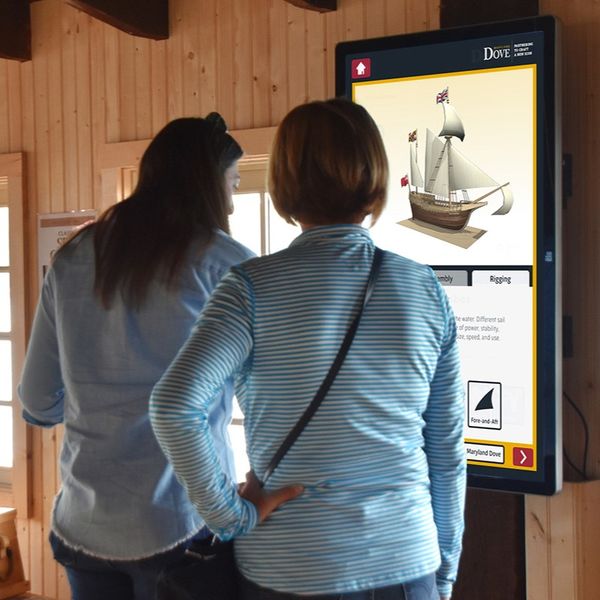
x,y
501,577
564,543
375,18
56,156
98,107
112,81
175,62
259,35
334,23
49,487
317,57
242,78
63,590
27,130
40,16
418,15
127,89
278,60
207,45
190,58
83,77
37,531
354,19
225,72
143,89
296,56
582,87
15,109
4,114
69,105
395,17
158,85
581,220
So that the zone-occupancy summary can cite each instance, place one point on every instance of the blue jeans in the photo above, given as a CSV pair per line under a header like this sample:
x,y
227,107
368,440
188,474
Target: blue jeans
x,y
423,588
99,579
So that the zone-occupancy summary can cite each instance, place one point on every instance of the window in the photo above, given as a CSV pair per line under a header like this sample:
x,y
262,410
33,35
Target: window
x,y
14,466
13,472
6,374
256,224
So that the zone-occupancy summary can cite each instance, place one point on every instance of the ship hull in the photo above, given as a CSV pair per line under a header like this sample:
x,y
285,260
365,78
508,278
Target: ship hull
x,y
453,216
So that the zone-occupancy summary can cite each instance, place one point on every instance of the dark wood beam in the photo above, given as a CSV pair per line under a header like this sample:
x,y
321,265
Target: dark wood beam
x,y
455,13
15,30
318,5
145,18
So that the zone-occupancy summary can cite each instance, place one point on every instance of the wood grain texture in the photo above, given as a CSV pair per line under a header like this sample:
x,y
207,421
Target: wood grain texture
x,y
91,88
563,534
581,225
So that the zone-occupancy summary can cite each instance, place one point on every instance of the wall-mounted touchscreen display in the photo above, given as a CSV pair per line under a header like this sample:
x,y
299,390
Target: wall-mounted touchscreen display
x,y
468,117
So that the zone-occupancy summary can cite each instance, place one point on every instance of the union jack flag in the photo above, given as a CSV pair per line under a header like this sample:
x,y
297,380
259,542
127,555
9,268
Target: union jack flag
x,y
442,96
412,136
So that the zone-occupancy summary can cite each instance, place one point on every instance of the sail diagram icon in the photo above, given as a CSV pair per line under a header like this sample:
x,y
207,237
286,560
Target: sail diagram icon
x,y
486,402
484,399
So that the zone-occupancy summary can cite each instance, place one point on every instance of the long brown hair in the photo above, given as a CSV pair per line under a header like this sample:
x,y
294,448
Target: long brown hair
x,y
180,197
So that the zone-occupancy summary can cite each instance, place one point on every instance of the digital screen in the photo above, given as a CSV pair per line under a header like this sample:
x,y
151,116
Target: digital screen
x,y
468,120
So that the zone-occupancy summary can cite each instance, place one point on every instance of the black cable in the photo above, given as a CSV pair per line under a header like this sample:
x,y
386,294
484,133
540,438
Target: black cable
x,y
583,471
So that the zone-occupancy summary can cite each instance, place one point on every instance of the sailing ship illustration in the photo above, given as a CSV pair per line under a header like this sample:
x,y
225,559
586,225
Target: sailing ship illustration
x,y
441,198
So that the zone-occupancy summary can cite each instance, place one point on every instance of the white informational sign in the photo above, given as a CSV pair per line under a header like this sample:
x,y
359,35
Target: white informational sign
x,y
53,230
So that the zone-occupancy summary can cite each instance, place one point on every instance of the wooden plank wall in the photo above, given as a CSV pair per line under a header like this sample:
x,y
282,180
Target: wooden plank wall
x,y
89,84
581,224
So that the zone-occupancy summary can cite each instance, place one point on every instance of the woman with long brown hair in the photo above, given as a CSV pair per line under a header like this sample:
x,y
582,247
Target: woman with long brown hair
x,y
118,302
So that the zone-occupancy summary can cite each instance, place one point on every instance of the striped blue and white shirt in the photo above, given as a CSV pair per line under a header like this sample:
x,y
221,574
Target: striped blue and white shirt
x,y
382,460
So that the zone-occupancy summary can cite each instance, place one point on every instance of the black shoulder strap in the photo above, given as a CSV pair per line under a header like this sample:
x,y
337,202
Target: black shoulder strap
x,y
292,436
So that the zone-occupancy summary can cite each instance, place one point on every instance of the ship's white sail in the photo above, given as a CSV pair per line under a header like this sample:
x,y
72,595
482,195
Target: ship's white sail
x,y
439,185
416,178
453,171
464,175
453,125
433,151
507,202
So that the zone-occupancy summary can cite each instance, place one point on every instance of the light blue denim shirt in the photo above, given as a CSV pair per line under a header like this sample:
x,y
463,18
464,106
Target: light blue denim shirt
x,y
93,370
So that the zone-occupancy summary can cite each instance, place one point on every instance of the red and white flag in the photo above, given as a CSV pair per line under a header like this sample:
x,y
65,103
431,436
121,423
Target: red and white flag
x,y
404,181
442,96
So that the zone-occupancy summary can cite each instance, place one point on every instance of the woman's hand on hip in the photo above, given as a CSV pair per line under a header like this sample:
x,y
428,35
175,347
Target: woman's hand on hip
x,y
266,502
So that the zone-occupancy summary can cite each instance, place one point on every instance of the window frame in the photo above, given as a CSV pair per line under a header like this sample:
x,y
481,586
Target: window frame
x,y
15,485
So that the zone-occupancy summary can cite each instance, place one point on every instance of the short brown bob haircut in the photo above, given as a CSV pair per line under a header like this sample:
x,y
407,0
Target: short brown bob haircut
x,y
328,165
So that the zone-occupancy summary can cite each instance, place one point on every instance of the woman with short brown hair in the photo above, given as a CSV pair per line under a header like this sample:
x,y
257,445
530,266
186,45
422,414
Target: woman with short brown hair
x,y
381,461
328,165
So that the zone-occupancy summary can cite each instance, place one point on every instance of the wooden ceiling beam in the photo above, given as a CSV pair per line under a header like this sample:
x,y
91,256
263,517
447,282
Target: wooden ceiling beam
x,y
318,5
15,30
144,18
